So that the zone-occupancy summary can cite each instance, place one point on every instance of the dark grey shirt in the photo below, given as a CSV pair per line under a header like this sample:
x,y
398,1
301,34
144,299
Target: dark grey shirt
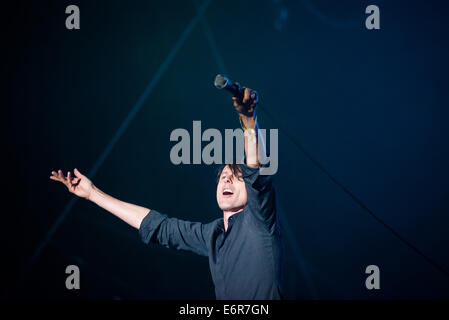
x,y
245,260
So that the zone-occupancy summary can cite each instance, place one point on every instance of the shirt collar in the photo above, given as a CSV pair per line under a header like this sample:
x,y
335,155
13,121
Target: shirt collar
x,y
231,220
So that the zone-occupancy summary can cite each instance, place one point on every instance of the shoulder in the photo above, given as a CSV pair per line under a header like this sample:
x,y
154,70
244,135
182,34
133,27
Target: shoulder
x,y
256,177
210,227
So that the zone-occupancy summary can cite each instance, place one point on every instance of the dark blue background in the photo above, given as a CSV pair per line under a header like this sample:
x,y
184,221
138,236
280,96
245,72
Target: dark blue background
x,y
370,106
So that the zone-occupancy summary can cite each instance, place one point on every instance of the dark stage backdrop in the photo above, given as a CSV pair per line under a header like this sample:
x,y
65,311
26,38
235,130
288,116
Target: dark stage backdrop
x,y
368,106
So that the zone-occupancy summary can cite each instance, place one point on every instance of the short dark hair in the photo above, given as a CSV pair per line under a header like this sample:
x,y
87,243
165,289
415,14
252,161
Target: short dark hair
x,y
234,167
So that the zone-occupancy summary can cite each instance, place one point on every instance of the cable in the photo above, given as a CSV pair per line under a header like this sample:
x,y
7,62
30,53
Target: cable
x,y
353,197
297,253
318,164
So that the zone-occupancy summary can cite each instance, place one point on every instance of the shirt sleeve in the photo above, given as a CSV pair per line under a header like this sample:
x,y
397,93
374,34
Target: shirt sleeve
x,y
260,195
173,233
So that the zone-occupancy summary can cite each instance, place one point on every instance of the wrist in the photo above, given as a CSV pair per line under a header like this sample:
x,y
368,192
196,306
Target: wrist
x,y
93,194
251,135
247,122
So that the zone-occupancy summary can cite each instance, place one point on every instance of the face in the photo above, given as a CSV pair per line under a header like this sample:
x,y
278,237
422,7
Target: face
x,y
231,191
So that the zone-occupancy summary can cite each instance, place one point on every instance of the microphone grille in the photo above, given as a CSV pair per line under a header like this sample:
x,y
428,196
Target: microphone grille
x,y
220,81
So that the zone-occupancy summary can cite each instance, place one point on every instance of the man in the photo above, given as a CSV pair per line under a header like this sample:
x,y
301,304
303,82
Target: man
x,y
243,247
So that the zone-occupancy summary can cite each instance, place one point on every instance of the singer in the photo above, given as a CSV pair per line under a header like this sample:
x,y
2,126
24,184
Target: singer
x,y
243,247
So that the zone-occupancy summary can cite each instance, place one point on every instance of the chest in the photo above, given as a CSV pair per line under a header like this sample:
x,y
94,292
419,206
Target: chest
x,y
241,238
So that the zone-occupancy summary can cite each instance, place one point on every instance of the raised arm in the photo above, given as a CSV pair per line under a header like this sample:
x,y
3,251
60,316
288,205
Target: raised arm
x,y
259,187
81,186
246,107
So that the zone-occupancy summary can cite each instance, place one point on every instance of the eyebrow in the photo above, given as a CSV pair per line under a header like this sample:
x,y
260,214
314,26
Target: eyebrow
x,y
239,175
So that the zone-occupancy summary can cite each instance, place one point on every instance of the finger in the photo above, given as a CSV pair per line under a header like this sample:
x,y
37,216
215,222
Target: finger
x,y
69,180
256,97
246,95
255,100
77,173
75,181
55,176
61,175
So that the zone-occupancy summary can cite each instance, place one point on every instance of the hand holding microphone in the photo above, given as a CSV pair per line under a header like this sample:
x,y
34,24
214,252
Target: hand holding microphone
x,y
245,99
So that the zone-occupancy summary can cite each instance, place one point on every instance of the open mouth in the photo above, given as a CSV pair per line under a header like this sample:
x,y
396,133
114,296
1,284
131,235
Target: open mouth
x,y
227,193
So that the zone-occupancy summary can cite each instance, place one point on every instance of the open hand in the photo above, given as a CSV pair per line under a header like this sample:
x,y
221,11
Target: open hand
x,y
79,185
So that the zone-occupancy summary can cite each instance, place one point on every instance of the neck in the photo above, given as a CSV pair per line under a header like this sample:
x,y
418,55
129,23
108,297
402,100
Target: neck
x,y
228,213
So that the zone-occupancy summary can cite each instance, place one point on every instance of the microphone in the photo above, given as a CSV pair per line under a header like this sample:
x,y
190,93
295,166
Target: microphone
x,y
222,82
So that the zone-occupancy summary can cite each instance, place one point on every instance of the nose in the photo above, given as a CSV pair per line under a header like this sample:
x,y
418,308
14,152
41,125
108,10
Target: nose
x,y
228,179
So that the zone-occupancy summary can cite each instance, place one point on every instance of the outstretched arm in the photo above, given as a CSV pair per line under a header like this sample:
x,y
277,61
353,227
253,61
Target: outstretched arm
x,y
153,227
81,186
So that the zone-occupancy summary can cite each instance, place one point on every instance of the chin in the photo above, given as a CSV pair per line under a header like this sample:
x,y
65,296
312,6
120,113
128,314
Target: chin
x,y
230,206
226,206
